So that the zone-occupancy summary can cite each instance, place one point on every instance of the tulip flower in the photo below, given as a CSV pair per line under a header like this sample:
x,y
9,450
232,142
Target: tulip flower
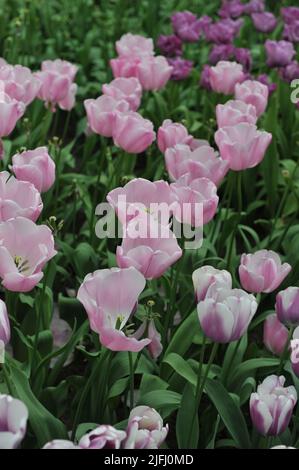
x,y
18,198
254,6
102,437
35,166
192,195
186,26
101,114
13,422
265,22
254,93
295,351
154,72
207,276
132,132
19,83
60,444
134,45
235,111
171,134
262,271
124,66
145,429
148,246
109,297
11,111
225,314
272,405
279,53
170,45
127,89
221,52
243,56
225,75
287,306
140,195
4,324
275,335
290,14
25,248
242,145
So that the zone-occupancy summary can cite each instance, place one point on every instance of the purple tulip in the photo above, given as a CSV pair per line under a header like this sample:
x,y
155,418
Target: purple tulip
x,y
271,407
275,335
170,45
186,25
231,9
290,72
254,6
265,22
223,31
264,79
181,68
279,53
290,14
243,57
287,306
291,31
102,437
204,81
221,52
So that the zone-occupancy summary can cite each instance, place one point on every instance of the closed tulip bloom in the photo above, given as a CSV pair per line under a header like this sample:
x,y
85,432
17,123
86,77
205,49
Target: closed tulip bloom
x,y
68,102
13,422
133,133
295,352
290,14
181,68
235,111
265,22
287,306
291,31
109,297
275,335
62,67
254,93
35,166
242,145
102,437
262,271
128,89
243,57
221,52
151,251
279,53
225,314
101,114
4,324
170,45
25,248
145,429
140,195
207,276
19,83
272,405
203,162
187,26
196,202
61,444
154,72
155,347
224,76
11,111
18,198
134,45
204,81
124,66
254,6
172,133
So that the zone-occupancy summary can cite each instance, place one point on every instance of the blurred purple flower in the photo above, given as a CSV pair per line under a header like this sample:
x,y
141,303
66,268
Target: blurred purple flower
x,y
231,9
290,14
221,52
205,78
181,68
254,6
186,25
266,81
223,31
243,56
265,22
170,45
291,31
290,72
279,53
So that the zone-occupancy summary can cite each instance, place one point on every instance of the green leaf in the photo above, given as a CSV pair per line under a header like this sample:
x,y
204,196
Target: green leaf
x,y
230,413
187,430
181,367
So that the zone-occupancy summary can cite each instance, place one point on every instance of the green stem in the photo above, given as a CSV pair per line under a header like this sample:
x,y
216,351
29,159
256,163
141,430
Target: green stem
x,y
131,380
239,186
224,372
283,357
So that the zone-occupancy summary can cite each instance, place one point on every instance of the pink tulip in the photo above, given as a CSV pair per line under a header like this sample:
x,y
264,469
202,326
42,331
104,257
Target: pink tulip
x,y
295,352
19,83
154,72
18,198
196,202
242,145
60,444
145,429
35,166
287,306
109,297
271,407
172,133
101,114
11,111
124,67
57,85
142,196
134,45
275,335
203,162
254,93
233,112
127,89
225,314
4,325
148,246
25,248
102,437
13,422
225,75
262,271
155,347
207,276
133,133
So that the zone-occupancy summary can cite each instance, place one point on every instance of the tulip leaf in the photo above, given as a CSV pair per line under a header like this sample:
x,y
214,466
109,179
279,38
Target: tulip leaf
x,y
187,420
